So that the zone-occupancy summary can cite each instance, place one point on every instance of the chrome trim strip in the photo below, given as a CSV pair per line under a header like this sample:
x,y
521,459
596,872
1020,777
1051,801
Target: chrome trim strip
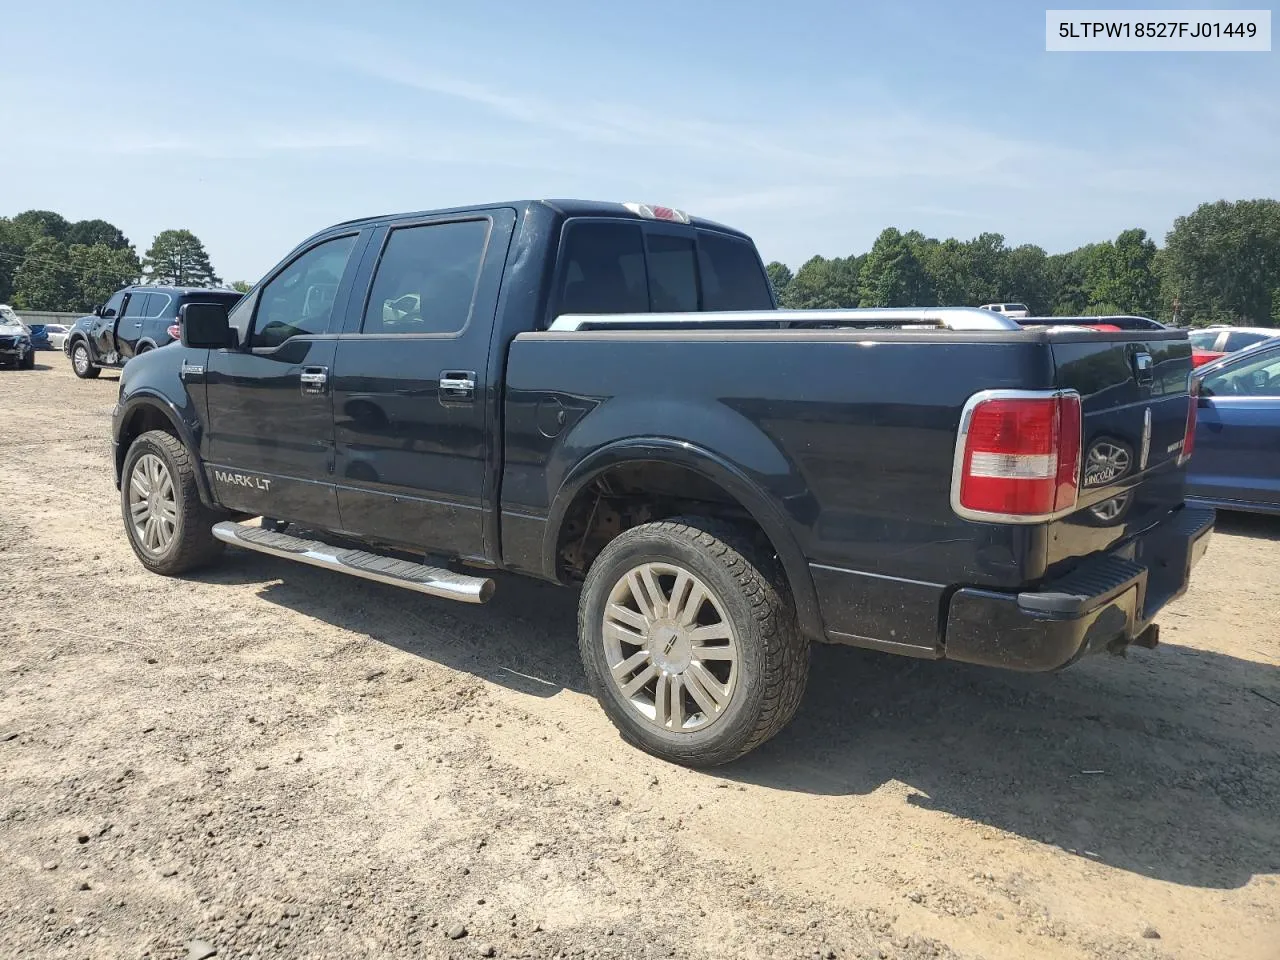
x,y
949,318
888,646
957,464
876,576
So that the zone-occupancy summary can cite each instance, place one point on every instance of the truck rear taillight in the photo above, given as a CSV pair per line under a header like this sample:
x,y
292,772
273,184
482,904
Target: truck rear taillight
x,y
1018,456
1189,438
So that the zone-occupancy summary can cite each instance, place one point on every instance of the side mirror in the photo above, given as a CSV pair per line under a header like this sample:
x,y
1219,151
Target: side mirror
x,y
97,311
204,326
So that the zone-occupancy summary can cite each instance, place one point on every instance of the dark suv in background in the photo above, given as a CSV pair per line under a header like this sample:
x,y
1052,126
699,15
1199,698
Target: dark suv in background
x,y
135,320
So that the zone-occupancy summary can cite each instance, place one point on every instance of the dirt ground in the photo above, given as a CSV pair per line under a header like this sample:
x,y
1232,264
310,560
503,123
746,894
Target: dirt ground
x,y
276,761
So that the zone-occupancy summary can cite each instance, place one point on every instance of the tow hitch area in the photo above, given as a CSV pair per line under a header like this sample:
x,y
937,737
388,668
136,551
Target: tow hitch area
x,y
1148,639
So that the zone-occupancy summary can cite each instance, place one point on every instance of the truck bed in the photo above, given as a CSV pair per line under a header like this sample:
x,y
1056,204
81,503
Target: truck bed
x,y
852,434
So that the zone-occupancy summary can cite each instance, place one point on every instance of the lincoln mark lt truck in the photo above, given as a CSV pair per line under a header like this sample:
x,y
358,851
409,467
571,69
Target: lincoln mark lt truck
x,y
606,395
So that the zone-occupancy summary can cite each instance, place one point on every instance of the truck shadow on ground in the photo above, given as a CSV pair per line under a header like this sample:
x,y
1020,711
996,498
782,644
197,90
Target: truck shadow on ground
x,y
1256,525
1166,765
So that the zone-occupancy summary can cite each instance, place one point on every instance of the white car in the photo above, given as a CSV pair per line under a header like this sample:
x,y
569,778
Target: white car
x,y
57,334
1011,310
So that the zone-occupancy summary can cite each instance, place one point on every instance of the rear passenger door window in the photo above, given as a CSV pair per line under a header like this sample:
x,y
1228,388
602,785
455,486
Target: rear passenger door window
x,y
299,300
426,279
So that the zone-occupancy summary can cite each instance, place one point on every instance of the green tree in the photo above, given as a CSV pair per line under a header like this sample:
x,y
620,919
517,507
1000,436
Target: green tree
x,y
244,286
987,272
1222,262
90,232
822,284
178,257
779,276
1121,277
45,280
100,270
1069,280
893,275
14,240
44,223
947,265
1026,278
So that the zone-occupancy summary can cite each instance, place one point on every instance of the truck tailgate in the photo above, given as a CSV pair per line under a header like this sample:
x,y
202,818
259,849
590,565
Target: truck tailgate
x,y
1134,393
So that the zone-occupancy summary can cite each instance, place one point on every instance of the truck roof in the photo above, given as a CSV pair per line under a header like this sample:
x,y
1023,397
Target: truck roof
x,y
566,208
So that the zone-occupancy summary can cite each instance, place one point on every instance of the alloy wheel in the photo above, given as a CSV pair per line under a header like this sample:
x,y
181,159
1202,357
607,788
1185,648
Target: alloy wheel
x,y
153,504
672,653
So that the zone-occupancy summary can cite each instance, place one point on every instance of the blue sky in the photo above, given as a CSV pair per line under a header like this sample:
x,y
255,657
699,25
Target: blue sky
x,y
811,124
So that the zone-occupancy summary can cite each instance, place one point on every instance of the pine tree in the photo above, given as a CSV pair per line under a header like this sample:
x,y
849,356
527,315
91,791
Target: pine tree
x,y
178,257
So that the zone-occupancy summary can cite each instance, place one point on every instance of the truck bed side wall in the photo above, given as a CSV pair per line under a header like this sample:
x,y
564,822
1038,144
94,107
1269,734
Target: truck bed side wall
x,y
850,437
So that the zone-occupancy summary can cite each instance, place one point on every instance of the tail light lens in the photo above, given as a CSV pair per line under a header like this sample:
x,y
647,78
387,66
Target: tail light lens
x,y
1200,357
1193,407
1018,456
175,331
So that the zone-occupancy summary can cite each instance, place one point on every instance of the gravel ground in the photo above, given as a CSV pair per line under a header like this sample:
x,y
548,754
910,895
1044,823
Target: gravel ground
x,y
271,760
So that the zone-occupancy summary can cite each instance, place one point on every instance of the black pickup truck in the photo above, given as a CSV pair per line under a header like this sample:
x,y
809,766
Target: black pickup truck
x,y
606,395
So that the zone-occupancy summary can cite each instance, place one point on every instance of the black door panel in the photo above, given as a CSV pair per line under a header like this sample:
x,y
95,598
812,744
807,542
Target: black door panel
x,y
269,445
411,454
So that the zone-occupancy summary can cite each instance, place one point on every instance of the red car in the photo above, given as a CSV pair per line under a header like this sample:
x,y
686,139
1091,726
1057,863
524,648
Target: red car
x,y
1214,342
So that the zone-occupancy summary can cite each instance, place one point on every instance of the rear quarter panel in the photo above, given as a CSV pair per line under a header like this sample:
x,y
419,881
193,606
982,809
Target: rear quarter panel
x,y
849,437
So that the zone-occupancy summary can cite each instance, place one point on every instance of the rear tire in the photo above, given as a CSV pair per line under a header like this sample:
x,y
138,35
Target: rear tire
x,y
695,681
82,363
168,526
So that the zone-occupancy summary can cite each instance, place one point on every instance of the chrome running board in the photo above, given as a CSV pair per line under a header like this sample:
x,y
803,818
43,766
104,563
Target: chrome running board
x,y
434,581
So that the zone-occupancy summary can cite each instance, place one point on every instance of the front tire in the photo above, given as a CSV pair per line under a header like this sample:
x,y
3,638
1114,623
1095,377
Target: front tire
x,y
168,526
81,363
29,361
689,641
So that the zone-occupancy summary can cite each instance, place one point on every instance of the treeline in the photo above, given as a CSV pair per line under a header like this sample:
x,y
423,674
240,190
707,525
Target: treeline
x,y
50,263
1220,264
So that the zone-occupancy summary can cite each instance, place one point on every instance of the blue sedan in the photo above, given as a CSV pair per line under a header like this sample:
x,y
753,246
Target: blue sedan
x,y
1235,464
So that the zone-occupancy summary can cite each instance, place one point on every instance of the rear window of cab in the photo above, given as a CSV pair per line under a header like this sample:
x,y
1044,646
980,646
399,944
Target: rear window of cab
x,y
617,266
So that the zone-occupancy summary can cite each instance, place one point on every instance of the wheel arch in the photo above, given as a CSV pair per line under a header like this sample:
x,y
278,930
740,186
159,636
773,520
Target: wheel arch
x,y
736,487
152,412
80,337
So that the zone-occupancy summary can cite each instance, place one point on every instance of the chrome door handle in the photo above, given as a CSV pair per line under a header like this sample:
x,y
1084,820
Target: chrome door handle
x,y
314,379
457,385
